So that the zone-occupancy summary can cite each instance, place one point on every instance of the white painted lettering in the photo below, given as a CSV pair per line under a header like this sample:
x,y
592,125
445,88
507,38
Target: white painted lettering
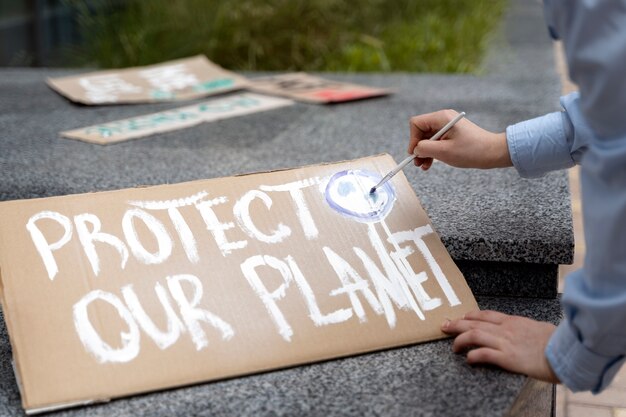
x,y
92,341
297,196
180,225
164,241
269,299
318,318
352,283
397,284
87,238
416,236
217,228
43,247
241,211
175,327
192,315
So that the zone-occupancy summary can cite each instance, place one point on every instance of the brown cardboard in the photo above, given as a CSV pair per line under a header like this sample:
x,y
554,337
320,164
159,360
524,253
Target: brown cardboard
x,y
256,272
181,79
182,117
305,87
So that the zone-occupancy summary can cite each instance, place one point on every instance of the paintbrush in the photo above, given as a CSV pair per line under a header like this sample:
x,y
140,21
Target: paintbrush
x,y
404,163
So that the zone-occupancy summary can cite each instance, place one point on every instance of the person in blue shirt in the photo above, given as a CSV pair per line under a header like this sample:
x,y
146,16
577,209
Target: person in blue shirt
x,y
589,346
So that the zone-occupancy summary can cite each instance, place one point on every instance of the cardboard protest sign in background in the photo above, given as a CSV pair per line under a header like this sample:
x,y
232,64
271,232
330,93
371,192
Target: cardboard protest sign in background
x,y
304,87
165,121
181,79
121,292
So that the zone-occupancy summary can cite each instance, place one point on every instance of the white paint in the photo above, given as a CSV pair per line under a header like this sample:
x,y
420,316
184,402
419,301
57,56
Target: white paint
x,y
217,228
87,239
352,283
241,210
318,318
416,236
169,77
392,268
44,248
192,315
166,204
185,235
175,327
107,87
348,193
297,197
183,230
90,338
269,299
415,280
164,241
387,289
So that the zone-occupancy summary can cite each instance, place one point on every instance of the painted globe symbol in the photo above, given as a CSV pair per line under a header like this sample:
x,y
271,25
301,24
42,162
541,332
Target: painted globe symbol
x,y
348,192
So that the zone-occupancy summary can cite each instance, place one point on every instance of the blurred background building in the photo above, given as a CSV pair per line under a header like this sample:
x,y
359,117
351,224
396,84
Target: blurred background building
x,y
36,32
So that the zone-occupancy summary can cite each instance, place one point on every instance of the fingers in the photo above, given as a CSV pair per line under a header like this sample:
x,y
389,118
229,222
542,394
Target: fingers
x,y
433,149
426,125
487,355
461,326
489,316
475,338
427,164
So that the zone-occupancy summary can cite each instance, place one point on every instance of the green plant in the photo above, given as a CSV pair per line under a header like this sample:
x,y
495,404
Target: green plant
x,y
311,35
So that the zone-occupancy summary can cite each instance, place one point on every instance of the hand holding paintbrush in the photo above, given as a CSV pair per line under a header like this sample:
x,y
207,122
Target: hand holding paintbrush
x,y
404,163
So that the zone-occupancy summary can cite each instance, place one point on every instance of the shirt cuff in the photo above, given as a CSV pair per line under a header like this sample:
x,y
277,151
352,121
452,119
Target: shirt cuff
x,y
575,365
539,145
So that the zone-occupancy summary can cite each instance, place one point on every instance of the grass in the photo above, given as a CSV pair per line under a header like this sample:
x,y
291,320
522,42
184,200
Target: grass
x,y
310,35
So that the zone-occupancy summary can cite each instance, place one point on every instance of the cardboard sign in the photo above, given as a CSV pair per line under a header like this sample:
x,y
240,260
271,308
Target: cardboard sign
x,y
121,292
208,111
182,79
304,87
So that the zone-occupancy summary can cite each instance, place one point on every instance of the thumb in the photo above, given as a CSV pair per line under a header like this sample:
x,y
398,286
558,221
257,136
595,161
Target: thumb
x,y
430,149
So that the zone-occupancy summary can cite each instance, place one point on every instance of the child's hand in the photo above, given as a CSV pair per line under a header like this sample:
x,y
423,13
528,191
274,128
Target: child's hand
x,y
465,145
514,343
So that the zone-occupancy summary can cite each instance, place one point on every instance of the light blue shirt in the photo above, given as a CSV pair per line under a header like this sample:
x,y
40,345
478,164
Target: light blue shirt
x,y
589,346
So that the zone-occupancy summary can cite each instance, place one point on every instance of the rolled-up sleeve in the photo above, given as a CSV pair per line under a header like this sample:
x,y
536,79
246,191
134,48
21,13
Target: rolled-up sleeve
x,y
539,145
547,143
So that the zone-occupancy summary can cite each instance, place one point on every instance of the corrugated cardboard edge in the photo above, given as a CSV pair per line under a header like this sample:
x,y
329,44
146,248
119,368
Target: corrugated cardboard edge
x,y
15,363
1,291
57,407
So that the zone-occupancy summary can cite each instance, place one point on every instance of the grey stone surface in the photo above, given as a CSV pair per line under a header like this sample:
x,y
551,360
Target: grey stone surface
x,y
418,380
510,279
480,215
